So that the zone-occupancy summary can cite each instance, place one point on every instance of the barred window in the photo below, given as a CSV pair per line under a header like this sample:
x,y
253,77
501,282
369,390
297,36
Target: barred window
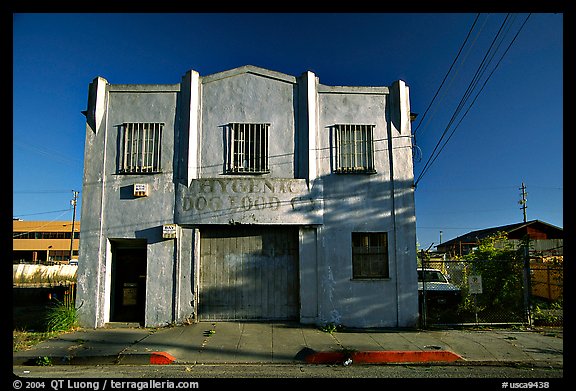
x,y
248,148
141,145
370,255
354,149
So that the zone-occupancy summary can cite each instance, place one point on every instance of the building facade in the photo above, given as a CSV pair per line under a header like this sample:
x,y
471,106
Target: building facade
x,y
44,242
248,194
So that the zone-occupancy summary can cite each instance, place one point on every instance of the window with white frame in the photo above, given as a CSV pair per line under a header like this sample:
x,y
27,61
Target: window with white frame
x,y
248,148
369,255
354,150
141,146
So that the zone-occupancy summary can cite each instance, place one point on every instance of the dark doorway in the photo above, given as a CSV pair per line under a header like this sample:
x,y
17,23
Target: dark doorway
x,y
128,284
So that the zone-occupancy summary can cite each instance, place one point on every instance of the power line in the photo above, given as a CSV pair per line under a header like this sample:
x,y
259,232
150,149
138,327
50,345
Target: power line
x,y
42,226
547,187
472,85
480,71
41,191
50,154
446,76
44,213
471,104
474,189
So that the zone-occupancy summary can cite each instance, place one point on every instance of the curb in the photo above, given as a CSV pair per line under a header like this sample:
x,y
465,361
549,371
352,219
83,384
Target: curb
x,y
383,357
311,357
152,358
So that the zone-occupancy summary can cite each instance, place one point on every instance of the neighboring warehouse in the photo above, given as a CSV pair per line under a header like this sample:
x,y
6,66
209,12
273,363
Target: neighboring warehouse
x,y
44,242
248,194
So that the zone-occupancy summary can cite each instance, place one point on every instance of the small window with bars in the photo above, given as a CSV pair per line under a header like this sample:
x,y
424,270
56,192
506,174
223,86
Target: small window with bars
x,y
248,148
354,149
141,146
369,255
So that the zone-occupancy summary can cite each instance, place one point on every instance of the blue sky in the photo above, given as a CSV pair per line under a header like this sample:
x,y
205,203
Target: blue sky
x,y
512,131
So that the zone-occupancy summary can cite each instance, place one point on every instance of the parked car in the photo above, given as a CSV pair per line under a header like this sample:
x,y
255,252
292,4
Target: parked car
x,y
440,293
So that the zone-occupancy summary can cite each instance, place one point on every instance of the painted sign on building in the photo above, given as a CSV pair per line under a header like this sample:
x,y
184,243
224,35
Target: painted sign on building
x,y
248,200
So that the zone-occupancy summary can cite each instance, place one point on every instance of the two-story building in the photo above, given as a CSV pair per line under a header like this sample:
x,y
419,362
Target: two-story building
x,y
45,242
248,194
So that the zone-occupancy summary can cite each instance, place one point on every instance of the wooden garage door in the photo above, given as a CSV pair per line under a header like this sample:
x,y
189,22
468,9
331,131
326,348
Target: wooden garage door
x,y
249,273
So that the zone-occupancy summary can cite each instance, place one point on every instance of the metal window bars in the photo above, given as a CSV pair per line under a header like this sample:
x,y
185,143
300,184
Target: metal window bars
x,y
354,148
248,148
142,146
369,255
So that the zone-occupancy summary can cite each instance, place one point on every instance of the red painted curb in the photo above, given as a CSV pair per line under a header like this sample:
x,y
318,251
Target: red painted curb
x,y
403,356
161,358
325,358
384,356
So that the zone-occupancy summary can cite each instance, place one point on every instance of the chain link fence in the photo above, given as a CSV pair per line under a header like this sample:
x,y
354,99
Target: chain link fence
x,y
490,292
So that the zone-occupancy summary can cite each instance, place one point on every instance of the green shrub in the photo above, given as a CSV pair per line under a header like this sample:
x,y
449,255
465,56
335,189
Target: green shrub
x,y
61,317
547,313
43,361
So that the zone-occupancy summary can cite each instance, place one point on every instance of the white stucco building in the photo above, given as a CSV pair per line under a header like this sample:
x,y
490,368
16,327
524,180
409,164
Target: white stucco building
x,y
248,194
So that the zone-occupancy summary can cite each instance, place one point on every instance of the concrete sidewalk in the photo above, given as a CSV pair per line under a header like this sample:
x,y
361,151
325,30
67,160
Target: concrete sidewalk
x,y
292,343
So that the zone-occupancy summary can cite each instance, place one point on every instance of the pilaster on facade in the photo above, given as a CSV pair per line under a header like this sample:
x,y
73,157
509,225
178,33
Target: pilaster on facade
x,y
192,93
312,108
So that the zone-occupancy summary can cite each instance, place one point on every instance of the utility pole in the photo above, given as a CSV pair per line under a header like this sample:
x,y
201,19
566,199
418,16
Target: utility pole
x,y
73,203
523,200
526,274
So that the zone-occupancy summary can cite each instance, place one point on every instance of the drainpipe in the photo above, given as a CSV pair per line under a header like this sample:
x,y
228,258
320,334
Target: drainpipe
x,y
177,275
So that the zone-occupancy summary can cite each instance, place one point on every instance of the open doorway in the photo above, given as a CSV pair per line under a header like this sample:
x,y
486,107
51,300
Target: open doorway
x,y
128,296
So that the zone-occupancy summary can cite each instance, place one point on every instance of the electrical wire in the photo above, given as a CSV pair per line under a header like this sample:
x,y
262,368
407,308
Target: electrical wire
x,y
49,154
463,100
487,59
446,76
44,213
41,191
482,68
42,226
473,101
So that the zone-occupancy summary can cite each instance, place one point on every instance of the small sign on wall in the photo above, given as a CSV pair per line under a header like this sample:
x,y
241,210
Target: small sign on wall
x,y
140,190
169,231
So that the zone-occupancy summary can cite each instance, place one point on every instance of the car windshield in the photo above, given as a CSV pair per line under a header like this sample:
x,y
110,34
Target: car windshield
x,y
431,276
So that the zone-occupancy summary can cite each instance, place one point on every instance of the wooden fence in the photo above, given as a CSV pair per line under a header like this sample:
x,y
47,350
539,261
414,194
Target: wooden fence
x,y
547,279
